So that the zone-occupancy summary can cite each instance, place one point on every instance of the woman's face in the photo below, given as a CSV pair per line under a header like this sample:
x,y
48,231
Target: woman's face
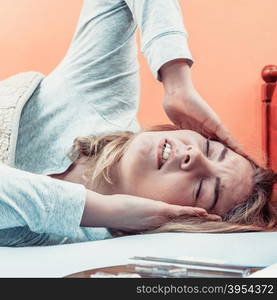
x,y
198,172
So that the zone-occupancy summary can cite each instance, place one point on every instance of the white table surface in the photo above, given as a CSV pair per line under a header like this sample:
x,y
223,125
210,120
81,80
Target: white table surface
x,y
253,249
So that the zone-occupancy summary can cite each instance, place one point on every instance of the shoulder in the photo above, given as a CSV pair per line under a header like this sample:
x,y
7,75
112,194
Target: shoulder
x,y
15,91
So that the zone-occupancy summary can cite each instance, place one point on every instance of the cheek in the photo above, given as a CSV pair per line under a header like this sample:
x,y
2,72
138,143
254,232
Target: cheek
x,y
136,172
180,186
174,190
142,146
135,155
156,188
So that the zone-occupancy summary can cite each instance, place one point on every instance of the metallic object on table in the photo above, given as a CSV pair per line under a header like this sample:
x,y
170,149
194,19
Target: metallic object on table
x,y
160,271
189,268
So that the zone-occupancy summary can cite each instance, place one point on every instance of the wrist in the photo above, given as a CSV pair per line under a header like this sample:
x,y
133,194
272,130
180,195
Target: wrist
x,y
95,210
176,76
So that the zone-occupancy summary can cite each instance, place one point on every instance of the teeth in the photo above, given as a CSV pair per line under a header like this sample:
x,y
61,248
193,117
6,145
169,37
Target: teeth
x,y
166,145
166,151
165,156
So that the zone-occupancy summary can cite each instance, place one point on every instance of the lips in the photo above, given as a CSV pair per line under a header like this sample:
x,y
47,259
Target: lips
x,y
160,153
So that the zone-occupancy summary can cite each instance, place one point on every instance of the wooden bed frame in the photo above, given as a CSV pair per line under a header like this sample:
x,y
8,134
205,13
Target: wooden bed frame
x,y
269,119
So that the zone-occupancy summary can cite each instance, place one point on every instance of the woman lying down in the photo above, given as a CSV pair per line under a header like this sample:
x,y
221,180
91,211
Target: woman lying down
x,y
77,167
179,167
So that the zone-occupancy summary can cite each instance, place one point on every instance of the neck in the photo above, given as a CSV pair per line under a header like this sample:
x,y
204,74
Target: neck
x,y
75,174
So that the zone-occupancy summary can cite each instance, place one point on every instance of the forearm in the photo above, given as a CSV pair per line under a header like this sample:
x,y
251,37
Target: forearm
x,y
95,210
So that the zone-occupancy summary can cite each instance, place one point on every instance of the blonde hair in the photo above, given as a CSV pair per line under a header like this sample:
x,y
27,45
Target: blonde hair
x,y
256,214
103,152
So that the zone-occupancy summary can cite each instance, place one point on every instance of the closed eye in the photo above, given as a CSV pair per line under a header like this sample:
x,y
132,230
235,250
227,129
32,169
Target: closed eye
x,y
207,150
199,189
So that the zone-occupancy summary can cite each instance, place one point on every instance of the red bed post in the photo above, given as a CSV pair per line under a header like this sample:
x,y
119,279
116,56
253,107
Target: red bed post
x,y
269,120
269,115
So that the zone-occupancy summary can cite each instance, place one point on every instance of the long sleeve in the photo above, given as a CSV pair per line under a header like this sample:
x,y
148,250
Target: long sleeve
x,y
43,204
163,34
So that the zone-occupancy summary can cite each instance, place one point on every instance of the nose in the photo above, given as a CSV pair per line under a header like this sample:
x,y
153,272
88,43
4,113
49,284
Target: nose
x,y
194,160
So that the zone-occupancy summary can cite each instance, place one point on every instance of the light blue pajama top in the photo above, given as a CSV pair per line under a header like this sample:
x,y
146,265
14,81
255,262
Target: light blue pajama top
x,y
94,90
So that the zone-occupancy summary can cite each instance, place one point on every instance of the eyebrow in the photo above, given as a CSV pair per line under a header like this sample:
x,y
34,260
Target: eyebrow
x,y
223,153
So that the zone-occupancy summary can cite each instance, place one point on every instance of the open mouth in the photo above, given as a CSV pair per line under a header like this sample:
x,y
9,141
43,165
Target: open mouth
x,y
164,152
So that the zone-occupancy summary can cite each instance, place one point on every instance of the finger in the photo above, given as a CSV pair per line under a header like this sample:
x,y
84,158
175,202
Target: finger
x,y
199,211
234,145
223,135
213,217
190,211
196,212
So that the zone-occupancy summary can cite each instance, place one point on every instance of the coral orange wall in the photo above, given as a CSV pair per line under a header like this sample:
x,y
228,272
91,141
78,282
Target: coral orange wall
x,y
231,41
